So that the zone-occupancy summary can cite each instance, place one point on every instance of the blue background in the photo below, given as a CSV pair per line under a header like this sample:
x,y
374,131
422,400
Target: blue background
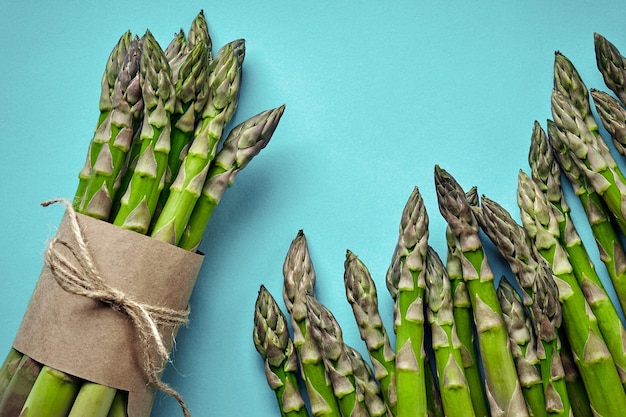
x,y
376,94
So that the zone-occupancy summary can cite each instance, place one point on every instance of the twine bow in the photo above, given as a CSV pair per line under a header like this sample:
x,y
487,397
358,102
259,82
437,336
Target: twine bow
x,y
80,276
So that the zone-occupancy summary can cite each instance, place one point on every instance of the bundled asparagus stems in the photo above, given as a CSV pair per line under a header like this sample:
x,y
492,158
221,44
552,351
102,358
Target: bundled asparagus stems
x,y
158,164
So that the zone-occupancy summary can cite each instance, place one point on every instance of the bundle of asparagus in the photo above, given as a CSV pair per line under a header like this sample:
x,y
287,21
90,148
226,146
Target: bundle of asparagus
x,y
544,339
158,164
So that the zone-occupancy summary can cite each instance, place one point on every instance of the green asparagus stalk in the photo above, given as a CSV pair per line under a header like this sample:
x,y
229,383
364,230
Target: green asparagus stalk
x,y
406,283
139,201
465,329
611,64
8,368
575,385
272,341
112,68
502,384
94,400
612,115
243,143
113,139
189,62
523,345
608,318
367,388
584,333
52,394
19,387
540,295
326,333
455,393
223,86
363,297
433,393
118,407
580,138
299,281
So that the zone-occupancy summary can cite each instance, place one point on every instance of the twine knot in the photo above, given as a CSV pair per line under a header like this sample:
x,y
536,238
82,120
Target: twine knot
x,y
80,276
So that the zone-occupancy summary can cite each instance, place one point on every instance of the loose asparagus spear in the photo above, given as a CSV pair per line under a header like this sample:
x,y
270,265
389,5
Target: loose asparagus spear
x,y
524,347
406,283
113,139
109,78
465,329
362,296
540,295
611,65
223,95
580,138
366,385
242,144
591,352
299,281
502,384
19,387
138,203
327,335
272,341
455,393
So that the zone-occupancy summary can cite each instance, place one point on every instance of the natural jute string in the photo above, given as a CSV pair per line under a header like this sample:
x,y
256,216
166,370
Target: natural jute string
x,y
80,276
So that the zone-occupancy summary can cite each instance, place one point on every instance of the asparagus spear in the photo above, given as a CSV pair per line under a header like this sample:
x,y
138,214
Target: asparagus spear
x,y
523,345
223,86
540,294
433,393
118,407
139,201
8,368
362,296
591,352
580,139
272,341
175,52
455,392
367,388
612,114
299,281
406,283
502,384
243,143
52,394
611,65
19,387
113,139
575,385
327,335
109,78
93,400
464,320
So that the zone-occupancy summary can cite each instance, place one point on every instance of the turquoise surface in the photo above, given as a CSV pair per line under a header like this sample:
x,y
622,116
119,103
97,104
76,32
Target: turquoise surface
x,y
376,94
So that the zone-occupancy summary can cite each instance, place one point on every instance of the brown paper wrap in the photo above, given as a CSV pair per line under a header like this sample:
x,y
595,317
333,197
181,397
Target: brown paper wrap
x,y
88,338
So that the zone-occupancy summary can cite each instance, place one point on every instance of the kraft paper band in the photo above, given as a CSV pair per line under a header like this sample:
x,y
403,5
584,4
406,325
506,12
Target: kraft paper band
x,y
88,338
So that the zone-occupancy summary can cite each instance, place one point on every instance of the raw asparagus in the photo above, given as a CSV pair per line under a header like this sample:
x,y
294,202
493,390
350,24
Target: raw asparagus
x,y
272,341
367,388
611,64
299,282
523,346
465,329
327,335
535,277
406,283
22,381
502,384
592,354
242,144
363,297
455,392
